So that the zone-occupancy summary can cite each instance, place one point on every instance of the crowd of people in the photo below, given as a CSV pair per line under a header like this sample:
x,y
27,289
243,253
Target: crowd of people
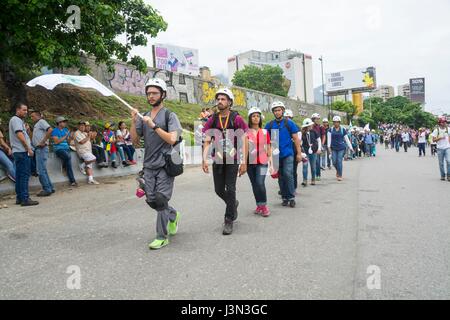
x,y
397,136
233,145
28,149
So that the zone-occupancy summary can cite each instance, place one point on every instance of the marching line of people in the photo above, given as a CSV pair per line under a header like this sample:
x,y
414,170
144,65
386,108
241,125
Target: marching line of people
x,y
232,147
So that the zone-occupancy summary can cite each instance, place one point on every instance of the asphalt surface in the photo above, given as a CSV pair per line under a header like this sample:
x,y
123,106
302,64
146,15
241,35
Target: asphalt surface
x,y
391,212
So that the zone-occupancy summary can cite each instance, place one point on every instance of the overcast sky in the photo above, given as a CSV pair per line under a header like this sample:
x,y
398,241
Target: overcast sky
x,y
401,38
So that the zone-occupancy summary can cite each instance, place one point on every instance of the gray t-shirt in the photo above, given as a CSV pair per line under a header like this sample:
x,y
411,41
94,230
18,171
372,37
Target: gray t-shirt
x,y
155,147
17,125
39,131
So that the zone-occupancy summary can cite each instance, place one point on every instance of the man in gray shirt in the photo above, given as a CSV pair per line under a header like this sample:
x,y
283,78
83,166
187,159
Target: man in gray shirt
x,y
22,152
41,133
159,139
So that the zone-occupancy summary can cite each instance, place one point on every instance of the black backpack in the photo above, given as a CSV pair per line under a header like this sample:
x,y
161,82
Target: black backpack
x,y
173,168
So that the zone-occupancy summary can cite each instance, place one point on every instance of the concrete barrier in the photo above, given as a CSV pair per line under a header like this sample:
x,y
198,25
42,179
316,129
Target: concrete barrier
x,y
192,156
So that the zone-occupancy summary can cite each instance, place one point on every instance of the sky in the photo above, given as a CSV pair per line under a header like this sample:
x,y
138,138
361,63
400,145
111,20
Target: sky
x,y
402,39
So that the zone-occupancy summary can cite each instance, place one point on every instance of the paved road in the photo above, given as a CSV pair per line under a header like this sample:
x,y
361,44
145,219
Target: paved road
x,y
391,212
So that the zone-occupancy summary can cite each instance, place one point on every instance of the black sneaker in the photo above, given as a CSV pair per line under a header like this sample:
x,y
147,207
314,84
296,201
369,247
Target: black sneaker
x,y
236,211
285,203
125,164
114,165
292,203
18,202
279,193
44,194
227,228
442,178
29,203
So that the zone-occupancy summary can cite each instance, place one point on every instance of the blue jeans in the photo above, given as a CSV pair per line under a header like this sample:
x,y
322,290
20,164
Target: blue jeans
x,y
126,150
41,166
422,149
338,157
23,173
325,158
65,157
286,180
444,156
257,174
318,169
311,160
6,163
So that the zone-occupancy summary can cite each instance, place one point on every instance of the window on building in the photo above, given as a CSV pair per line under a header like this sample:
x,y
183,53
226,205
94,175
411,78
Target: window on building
x,y
182,79
184,97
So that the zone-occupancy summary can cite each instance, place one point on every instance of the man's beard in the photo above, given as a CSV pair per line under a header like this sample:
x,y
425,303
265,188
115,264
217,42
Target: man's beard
x,y
157,103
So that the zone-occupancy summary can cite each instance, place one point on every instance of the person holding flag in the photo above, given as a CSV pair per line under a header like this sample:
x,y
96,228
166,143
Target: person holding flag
x,y
161,130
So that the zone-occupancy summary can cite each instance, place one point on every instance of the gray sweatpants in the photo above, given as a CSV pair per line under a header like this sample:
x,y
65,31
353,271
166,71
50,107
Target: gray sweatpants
x,y
157,181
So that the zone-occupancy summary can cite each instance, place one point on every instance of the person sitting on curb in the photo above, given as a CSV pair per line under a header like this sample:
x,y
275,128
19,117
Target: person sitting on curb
x,y
84,151
109,143
61,147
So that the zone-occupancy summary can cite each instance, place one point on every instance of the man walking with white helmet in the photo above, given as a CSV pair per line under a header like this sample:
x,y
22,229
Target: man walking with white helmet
x,y
161,130
441,136
226,130
326,157
283,133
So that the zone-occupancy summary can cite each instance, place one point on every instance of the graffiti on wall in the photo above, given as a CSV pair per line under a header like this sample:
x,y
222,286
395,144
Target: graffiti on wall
x,y
239,97
207,92
257,100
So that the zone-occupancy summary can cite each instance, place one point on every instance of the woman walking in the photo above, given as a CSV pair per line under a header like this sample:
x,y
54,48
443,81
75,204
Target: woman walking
x,y
337,141
311,144
260,160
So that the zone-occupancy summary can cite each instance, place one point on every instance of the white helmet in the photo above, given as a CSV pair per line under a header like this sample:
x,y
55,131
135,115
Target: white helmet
x,y
226,92
337,119
277,104
315,116
307,122
289,113
325,120
254,110
156,82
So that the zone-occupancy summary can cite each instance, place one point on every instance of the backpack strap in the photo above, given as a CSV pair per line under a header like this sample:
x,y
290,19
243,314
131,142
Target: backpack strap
x,y
167,116
286,125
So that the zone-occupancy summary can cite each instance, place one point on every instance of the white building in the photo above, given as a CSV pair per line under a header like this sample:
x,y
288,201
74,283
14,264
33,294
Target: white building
x,y
383,92
297,68
404,91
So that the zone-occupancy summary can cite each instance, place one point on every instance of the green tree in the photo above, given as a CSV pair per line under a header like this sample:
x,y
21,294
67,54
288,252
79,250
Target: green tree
x,y
35,33
268,79
345,106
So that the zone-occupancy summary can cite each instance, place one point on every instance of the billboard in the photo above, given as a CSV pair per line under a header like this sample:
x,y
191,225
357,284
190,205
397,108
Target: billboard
x,y
358,80
417,90
176,59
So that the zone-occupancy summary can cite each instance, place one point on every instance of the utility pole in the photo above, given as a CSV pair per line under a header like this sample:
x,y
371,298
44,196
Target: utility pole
x,y
323,89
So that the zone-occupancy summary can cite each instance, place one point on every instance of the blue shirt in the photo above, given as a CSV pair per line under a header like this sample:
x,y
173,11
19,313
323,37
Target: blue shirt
x,y
368,139
57,132
337,139
285,144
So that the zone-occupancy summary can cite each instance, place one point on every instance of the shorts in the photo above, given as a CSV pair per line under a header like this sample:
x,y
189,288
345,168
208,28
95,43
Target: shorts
x,y
88,157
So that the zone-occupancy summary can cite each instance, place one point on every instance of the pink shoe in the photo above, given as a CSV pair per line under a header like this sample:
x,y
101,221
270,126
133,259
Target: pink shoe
x,y
258,210
265,212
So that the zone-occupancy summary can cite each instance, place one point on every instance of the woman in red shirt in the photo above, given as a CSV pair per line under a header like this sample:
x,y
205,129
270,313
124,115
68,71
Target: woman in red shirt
x,y
260,160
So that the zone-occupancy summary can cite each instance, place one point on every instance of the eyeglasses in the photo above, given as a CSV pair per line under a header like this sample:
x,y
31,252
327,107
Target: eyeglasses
x,y
149,94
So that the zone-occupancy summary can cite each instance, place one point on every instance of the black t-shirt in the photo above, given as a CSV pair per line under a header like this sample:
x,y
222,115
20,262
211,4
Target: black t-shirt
x,y
309,139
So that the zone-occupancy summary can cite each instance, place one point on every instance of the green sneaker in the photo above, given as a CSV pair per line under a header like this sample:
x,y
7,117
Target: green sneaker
x,y
173,226
158,244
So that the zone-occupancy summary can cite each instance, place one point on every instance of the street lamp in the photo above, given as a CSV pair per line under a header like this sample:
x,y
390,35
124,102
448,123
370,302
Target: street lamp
x,y
323,88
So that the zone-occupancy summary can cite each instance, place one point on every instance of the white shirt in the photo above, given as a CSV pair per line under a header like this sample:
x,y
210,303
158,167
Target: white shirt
x,y
438,133
423,138
405,137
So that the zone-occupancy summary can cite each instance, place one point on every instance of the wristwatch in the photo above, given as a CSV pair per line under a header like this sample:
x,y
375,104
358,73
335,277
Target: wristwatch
x,y
156,127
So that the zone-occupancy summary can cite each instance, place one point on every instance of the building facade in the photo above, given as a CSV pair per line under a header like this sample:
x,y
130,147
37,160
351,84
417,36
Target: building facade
x,y
383,92
297,68
404,91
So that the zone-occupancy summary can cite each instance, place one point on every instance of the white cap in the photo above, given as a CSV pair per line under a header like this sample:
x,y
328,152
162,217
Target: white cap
x,y
226,92
255,110
155,82
315,116
325,120
307,122
337,119
289,113
277,104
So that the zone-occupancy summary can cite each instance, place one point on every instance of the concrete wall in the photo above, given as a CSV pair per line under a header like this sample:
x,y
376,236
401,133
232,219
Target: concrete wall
x,y
192,89
192,156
